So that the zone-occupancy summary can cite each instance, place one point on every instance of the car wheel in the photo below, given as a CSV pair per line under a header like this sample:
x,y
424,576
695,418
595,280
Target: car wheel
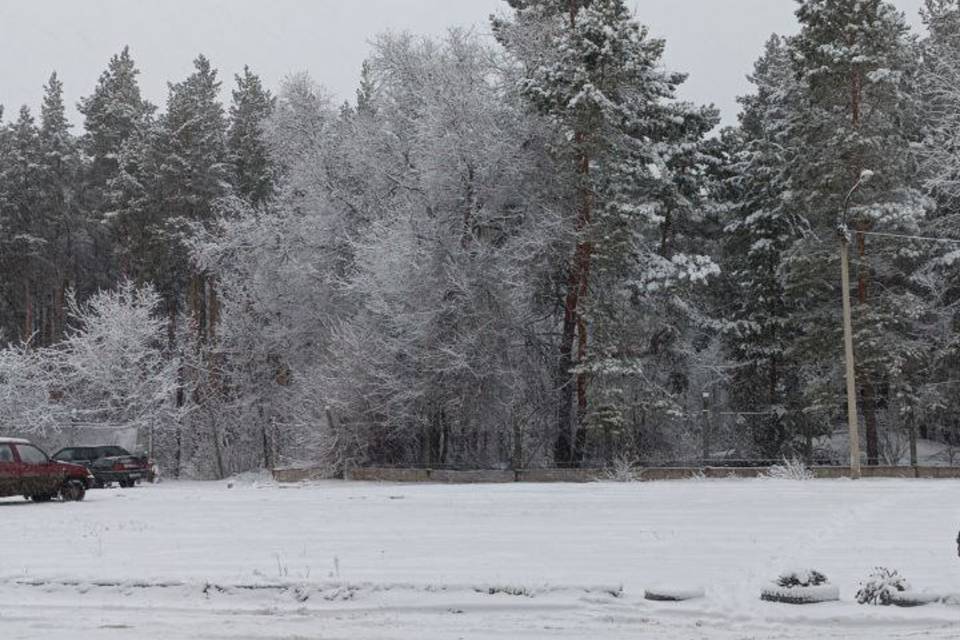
x,y
125,484
73,491
41,498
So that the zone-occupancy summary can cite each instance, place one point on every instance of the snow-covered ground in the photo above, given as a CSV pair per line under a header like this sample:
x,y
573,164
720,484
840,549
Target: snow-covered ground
x,y
353,560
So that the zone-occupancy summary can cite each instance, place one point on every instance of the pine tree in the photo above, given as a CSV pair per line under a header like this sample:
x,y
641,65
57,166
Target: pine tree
x,y
939,80
171,174
763,229
858,64
113,113
367,91
58,174
22,244
252,105
8,327
629,151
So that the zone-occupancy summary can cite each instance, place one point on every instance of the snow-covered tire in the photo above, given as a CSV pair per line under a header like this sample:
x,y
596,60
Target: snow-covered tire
x,y
801,595
914,599
673,594
73,491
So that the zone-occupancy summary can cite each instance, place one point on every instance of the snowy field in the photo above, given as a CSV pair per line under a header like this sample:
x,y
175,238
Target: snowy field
x,y
352,560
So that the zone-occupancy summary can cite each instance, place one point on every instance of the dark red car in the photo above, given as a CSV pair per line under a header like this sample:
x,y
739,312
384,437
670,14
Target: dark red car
x,y
27,471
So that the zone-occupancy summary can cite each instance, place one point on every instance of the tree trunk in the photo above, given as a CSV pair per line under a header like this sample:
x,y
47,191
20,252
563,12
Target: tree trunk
x,y
868,397
217,449
267,457
563,450
213,306
571,436
198,307
912,426
181,384
27,312
60,323
517,444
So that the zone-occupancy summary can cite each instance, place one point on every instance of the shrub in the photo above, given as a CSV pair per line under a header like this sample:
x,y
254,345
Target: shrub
x,y
790,470
881,587
622,469
808,578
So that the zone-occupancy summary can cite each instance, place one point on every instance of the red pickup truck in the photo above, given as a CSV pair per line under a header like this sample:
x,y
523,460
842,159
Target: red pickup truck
x,y
27,471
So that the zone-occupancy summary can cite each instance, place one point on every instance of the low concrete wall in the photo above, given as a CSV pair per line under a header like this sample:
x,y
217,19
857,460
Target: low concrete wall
x,y
826,473
371,474
298,475
888,472
652,474
648,474
472,477
559,475
938,472
734,472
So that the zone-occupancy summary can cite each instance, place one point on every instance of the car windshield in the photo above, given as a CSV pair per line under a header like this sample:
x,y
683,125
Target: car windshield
x,y
6,454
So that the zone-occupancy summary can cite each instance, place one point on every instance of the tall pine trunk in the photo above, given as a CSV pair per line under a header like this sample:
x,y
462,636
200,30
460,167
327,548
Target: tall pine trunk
x,y
571,437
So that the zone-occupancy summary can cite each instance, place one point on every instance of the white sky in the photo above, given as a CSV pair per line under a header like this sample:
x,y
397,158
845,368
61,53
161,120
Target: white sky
x,y
716,41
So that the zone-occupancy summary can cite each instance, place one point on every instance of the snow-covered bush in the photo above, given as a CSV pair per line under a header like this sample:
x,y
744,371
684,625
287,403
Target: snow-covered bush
x,y
881,587
622,469
110,372
793,469
25,384
801,578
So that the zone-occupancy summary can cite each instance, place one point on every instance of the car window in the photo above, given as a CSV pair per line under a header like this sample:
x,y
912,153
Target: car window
x,y
29,454
6,454
66,454
106,452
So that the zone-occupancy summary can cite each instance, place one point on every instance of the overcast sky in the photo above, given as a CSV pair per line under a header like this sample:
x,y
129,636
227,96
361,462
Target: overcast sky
x,y
715,41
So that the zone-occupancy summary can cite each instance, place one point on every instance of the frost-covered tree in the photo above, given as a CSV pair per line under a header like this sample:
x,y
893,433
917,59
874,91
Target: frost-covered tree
x,y
112,371
380,308
25,384
939,79
935,413
440,283
109,373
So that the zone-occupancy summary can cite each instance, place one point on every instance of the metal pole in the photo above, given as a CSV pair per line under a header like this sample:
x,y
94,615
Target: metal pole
x,y
852,425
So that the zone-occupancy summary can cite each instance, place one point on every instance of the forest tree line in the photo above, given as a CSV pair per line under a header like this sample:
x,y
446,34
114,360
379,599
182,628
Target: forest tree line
x,y
508,252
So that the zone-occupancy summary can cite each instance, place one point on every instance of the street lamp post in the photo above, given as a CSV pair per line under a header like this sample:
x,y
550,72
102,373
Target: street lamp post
x,y
844,236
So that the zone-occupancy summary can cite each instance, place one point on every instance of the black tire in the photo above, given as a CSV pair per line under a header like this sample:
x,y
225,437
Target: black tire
x,y
125,484
41,498
73,491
